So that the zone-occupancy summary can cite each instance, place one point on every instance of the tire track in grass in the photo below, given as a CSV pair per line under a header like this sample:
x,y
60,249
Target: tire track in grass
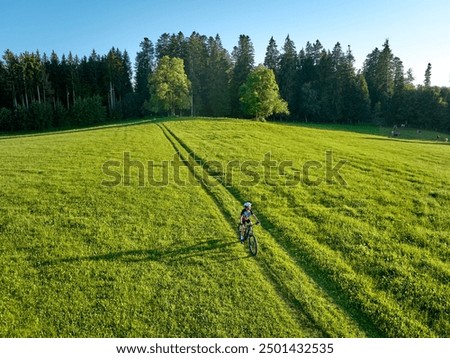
x,y
228,216
307,299
375,314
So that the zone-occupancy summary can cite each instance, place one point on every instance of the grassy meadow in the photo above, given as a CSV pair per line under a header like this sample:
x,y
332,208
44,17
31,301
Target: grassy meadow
x,y
357,248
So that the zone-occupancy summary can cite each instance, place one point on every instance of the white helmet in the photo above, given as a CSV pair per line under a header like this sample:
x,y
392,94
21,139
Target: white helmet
x,y
247,204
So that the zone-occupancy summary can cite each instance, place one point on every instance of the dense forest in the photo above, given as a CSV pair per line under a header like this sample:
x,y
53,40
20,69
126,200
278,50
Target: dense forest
x,y
40,92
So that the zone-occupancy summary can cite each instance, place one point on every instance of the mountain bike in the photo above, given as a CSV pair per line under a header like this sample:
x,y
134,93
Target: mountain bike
x,y
250,237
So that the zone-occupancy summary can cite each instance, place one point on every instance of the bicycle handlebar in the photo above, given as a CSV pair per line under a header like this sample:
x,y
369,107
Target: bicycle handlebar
x,y
256,223
250,224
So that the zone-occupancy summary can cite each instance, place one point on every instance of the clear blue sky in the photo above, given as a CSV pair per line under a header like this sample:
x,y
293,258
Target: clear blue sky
x,y
418,31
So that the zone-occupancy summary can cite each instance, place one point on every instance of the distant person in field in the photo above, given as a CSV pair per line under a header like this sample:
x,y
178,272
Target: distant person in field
x,y
246,214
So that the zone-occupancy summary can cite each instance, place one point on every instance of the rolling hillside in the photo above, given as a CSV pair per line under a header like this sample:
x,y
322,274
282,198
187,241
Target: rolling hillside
x,y
129,231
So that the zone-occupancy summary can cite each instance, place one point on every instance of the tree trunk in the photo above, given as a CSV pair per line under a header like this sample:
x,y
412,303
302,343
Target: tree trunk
x,y
14,95
111,95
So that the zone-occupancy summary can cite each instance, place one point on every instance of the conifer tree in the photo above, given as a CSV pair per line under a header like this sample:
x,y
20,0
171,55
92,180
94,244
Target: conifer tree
x,y
143,68
272,58
243,58
217,78
427,81
287,74
196,69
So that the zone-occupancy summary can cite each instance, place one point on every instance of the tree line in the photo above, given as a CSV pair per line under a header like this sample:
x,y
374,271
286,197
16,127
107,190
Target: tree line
x,y
39,92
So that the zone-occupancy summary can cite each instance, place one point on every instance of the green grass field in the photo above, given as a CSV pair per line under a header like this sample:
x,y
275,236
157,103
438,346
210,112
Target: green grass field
x,y
81,257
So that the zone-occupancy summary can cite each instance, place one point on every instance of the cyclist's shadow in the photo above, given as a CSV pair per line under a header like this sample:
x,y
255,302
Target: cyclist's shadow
x,y
217,250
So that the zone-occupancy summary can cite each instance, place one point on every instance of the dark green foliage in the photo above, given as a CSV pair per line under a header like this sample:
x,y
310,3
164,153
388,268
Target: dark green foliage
x,y
318,84
21,120
40,116
4,88
169,87
287,74
243,58
171,46
260,95
88,111
272,58
427,81
196,69
431,108
6,119
217,79
143,68
60,116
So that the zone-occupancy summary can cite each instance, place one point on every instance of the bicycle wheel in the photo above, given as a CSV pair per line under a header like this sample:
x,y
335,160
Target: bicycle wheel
x,y
253,244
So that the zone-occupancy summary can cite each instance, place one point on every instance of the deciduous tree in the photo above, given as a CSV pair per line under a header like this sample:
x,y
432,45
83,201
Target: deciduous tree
x,y
260,95
169,86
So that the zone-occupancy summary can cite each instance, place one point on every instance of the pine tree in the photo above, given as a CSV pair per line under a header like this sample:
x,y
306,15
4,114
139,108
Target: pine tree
x,y
379,71
272,58
5,96
143,68
317,49
196,69
353,97
95,76
113,63
217,79
409,79
397,108
427,81
370,74
385,73
72,80
244,58
174,45
287,74
163,46
362,99
333,72
329,88
308,97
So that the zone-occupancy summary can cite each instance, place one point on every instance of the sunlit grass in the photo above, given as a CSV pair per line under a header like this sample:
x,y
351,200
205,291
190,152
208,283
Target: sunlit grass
x,y
381,241
82,259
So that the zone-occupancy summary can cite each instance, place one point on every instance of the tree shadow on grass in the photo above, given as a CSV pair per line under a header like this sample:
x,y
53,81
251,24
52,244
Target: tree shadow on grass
x,y
215,250
92,127
407,140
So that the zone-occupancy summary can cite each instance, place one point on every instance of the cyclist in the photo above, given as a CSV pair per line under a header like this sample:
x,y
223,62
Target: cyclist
x,y
246,214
